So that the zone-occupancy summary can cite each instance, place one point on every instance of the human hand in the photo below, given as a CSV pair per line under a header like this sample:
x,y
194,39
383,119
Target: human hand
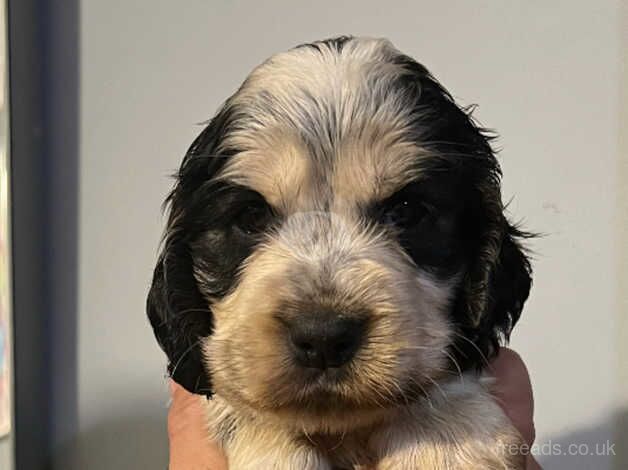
x,y
513,392
190,449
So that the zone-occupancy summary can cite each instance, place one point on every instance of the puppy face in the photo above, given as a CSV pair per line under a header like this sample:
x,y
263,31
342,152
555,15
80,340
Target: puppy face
x,y
336,242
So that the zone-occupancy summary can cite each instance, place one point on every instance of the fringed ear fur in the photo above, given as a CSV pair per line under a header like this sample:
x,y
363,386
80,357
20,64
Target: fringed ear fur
x,y
179,314
490,307
179,318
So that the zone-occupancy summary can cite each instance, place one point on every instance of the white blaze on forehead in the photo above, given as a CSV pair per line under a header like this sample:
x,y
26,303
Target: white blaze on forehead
x,y
316,123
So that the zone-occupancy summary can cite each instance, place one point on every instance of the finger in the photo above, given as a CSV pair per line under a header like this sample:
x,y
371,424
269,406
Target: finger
x,y
513,391
532,464
190,447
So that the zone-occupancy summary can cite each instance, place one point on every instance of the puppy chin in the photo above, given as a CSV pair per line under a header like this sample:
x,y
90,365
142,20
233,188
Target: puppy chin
x,y
332,417
321,409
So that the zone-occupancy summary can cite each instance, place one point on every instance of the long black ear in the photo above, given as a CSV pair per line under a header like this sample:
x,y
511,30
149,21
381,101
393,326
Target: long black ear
x,y
509,283
498,276
179,318
178,313
494,293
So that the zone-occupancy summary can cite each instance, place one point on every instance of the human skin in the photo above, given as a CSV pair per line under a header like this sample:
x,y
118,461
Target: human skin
x,y
190,449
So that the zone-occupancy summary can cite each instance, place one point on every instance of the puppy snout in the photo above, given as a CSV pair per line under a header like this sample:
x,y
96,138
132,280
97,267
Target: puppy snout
x,y
323,343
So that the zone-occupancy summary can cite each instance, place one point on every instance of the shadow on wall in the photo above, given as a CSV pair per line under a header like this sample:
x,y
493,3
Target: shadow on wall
x,y
600,447
133,441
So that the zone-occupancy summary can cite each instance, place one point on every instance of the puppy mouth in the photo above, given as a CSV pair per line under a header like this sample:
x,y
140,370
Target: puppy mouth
x,y
333,390
314,382
316,389
325,395
322,400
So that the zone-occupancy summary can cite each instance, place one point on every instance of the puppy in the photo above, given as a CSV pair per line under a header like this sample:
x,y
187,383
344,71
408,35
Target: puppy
x,y
337,269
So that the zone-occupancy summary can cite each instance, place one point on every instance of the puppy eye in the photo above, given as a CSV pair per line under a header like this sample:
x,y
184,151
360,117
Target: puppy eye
x,y
405,214
254,218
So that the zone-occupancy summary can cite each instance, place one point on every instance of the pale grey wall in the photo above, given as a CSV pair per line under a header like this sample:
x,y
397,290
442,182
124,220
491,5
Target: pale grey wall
x,y
546,76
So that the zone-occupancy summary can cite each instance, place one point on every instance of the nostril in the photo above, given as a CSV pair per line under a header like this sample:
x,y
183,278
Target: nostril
x,y
341,347
341,351
307,352
304,346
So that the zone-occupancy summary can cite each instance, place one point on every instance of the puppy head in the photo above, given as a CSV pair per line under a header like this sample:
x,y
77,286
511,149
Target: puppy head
x,y
336,241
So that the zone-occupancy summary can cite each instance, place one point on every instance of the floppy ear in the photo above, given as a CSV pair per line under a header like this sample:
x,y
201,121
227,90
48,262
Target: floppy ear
x,y
179,318
497,278
494,293
178,313
509,283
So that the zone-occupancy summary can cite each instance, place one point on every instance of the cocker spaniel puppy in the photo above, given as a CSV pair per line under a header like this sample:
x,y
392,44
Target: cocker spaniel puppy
x,y
337,268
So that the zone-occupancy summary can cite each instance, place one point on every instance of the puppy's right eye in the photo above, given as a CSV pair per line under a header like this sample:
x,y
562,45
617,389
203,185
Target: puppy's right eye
x,y
254,218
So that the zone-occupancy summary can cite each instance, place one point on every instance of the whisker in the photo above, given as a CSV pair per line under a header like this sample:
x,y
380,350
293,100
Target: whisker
x,y
190,310
461,336
426,395
307,435
185,353
342,438
453,359
438,387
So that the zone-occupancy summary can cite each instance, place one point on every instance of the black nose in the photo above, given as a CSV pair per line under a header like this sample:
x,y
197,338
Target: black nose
x,y
322,343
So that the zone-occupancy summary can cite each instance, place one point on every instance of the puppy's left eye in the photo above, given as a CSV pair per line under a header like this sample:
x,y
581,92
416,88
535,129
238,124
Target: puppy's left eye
x,y
405,214
254,218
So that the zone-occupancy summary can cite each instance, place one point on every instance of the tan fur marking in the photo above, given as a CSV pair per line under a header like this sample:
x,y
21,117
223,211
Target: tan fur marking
x,y
274,163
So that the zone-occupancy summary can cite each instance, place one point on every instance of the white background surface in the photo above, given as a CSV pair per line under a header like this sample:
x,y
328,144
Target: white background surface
x,y
545,74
